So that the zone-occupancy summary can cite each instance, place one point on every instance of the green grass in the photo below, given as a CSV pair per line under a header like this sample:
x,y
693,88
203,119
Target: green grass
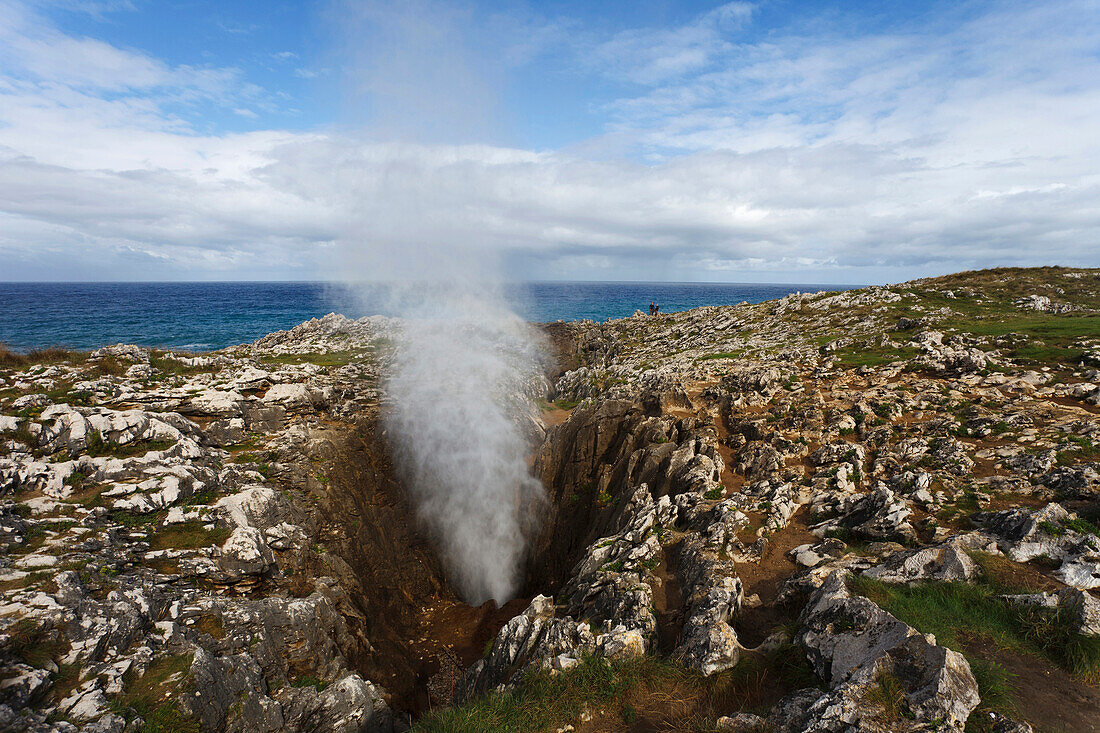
x,y
24,435
65,680
889,695
543,700
36,644
1060,329
188,535
150,697
308,681
558,404
650,691
107,366
97,446
956,613
39,576
873,356
968,616
1083,526
330,359
1043,354
1048,338
141,521
52,355
1057,333
1007,283
1084,450
61,394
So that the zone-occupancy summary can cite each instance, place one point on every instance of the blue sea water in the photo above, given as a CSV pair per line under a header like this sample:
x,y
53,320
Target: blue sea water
x,y
206,316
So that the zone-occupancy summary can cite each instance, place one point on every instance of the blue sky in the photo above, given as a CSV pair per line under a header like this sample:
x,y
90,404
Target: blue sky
x,y
744,141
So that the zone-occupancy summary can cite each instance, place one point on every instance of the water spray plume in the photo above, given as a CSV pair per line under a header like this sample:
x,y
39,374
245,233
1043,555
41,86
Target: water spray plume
x,y
454,389
456,386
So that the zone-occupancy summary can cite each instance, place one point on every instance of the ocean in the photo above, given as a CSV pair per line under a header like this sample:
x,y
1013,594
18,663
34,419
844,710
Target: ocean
x,y
212,315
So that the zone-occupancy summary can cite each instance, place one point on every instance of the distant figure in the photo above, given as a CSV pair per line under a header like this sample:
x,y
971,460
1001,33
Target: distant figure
x,y
656,309
652,309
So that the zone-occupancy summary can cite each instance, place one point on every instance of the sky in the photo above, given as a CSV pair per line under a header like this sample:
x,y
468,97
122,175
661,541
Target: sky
x,y
771,141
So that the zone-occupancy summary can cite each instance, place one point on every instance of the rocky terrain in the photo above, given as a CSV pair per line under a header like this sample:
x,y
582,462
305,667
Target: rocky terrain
x,y
873,510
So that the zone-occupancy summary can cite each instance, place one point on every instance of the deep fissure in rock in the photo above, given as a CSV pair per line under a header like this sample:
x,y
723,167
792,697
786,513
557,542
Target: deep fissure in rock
x,y
423,637
419,635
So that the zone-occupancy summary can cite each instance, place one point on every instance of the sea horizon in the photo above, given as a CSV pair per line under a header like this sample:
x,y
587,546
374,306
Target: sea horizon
x,y
212,314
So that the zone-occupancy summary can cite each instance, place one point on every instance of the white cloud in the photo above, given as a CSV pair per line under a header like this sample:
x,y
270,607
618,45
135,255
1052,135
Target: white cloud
x,y
650,55
95,8
873,156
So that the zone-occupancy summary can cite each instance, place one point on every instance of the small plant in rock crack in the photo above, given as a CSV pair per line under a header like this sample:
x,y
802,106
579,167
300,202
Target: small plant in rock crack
x,y
888,693
1052,529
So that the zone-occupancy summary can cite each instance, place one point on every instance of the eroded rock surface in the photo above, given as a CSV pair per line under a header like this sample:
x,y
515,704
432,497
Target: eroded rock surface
x,y
225,530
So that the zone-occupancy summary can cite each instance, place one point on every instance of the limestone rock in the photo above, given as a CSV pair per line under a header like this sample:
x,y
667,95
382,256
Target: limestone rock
x,y
852,643
947,562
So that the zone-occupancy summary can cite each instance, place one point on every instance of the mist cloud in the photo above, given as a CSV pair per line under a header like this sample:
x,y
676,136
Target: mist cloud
x,y
454,393
457,384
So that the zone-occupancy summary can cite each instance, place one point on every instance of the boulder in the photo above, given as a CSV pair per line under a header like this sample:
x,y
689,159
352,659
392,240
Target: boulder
x,y
853,645
946,562
876,515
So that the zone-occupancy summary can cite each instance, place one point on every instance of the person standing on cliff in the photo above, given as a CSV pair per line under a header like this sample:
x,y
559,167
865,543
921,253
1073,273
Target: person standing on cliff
x,y
656,309
651,308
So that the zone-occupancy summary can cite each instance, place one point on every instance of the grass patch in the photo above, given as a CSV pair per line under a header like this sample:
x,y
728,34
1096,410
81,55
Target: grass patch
x,y
1057,333
545,700
1083,526
210,624
1060,330
138,521
24,435
650,692
330,359
188,536
168,365
873,356
65,680
108,366
26,581
990,312
51,355
308,681
1036,354
253,457
150,697
253,441
721,355
546,406
1083,450
97,447
961,614
889,695
34,643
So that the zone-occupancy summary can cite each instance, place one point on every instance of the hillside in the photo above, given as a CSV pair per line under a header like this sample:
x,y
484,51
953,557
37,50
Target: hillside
x,y
870,510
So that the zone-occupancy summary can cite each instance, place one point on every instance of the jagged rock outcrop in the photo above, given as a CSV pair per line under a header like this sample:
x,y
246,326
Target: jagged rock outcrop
x,y
1025,534
855,646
